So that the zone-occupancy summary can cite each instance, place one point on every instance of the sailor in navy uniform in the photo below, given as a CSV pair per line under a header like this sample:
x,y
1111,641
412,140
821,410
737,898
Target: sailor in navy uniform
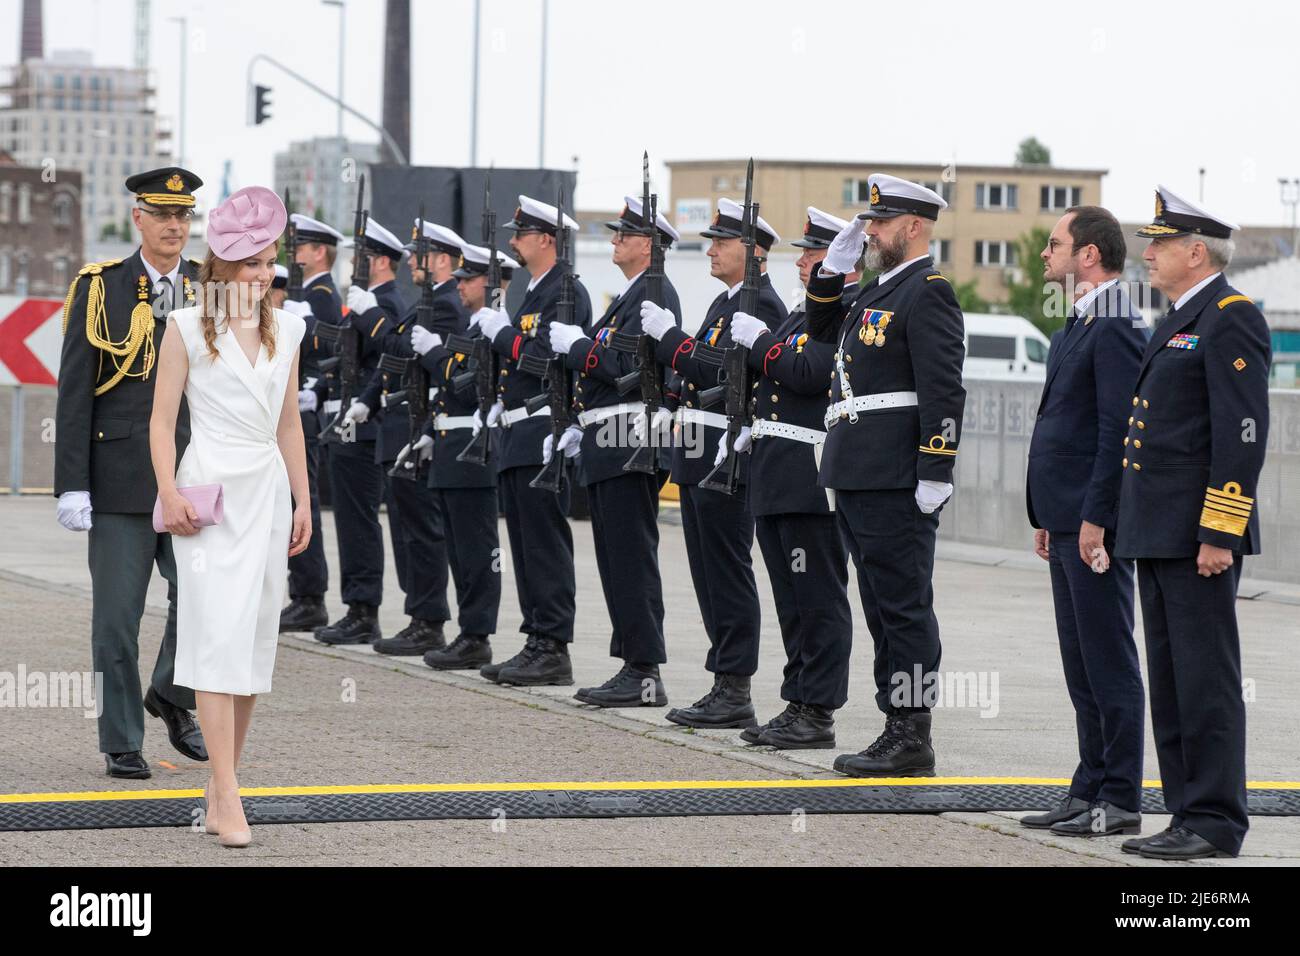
x,y
1072,494
308,571
893,427
1197,431
541,542
624,504
278,286
719,528
466,492
806,557
357,480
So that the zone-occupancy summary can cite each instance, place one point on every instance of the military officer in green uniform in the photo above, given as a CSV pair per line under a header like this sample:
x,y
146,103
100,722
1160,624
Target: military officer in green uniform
x,y
113,322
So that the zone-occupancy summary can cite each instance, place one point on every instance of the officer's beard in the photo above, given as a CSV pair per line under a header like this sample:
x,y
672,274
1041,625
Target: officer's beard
x,y
882,258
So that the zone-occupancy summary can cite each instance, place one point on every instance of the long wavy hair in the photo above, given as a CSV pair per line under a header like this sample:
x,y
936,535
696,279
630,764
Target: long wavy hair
x,y
217,281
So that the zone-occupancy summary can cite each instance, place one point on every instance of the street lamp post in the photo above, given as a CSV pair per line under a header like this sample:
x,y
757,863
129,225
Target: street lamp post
x,y
1290,189
337,179
180,119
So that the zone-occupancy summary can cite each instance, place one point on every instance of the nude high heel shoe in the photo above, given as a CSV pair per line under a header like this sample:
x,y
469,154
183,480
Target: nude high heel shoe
x,y
208,825
235,839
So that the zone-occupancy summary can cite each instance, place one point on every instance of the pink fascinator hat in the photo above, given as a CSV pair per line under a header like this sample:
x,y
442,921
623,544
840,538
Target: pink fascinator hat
x,y
246,223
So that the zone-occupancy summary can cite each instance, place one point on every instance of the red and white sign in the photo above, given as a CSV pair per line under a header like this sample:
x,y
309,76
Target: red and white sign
x,y
31,340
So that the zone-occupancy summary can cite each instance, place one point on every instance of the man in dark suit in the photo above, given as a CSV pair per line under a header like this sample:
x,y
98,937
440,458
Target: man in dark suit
x,y
719,528
624,504
892,433
541,542
1197,431
466,492
308,571
113,325
1072,493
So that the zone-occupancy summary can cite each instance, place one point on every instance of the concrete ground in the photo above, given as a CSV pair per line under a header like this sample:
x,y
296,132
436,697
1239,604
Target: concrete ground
x,y
349,716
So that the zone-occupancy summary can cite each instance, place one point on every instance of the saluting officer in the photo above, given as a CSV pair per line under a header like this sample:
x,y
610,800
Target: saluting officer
x,y
1193,453
357,480
541,542
113,323
624,504
466,493
892,432
795,521
308,571
719,528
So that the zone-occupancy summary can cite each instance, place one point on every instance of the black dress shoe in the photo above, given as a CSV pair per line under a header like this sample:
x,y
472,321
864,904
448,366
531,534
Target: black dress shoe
x,y
1136,844
466,652
903,750
359,626
1181,843
1100,819
129,766
182,730
413,640
635,685
493,670
813,728
304,614
545,663
726,705
1067,809
751,735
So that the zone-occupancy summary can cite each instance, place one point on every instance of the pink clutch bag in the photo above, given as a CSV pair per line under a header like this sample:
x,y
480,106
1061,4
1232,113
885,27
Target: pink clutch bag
x,y
206,500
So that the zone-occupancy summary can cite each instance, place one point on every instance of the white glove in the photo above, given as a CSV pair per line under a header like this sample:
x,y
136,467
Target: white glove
x,y
744,440
563,336
357,412
931,494
846,248
422,340
721,456
491,321
360,300
74,510
495,413
655,321
746,328
661,418
423,449
476,423
301,309
571,441
307,400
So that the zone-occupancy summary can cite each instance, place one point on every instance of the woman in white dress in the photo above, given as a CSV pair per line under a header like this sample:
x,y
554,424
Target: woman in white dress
x,y
235,359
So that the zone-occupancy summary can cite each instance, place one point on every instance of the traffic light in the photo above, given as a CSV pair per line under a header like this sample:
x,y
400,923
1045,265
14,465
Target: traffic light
x,y
261,104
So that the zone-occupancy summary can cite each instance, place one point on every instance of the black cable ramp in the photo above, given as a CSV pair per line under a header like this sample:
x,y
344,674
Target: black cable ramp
x,y
593,800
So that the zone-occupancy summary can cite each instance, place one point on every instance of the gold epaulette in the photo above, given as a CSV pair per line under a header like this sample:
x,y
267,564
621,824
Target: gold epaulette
x,y
1224,303
89,269
937,275
139,337
1226,509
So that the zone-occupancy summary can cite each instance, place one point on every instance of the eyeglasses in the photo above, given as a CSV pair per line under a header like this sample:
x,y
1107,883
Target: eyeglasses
x,y
1054,244
163,215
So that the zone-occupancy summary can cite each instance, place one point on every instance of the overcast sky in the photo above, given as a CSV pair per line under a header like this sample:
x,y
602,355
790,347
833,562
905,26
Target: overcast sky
x,y
1148,91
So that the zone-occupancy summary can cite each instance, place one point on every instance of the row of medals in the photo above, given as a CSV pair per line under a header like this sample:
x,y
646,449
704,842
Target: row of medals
x,y
874,334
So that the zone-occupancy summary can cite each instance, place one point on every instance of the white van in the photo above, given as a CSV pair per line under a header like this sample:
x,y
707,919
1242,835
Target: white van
x,y
1004,347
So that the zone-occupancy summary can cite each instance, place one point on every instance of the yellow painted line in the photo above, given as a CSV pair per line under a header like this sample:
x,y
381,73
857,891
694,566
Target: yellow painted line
x,y
598,786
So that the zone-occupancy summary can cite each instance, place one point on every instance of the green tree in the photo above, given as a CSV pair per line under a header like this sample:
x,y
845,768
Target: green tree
x,y
1031,152
968,298
1029,296
108,231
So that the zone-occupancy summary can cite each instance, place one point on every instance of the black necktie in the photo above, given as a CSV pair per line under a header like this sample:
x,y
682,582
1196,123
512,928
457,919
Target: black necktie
x,y
165,293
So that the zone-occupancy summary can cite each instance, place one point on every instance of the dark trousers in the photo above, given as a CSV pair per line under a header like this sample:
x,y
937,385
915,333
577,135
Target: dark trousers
x,y
470,520
719,532
809,569
625,529
1198,716
541,551
892,544
1094,624
357,484
122,552
308,572
396,532
423,544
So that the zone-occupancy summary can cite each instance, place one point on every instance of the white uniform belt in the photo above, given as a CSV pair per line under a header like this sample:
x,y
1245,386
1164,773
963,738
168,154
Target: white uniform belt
x,y
383,399
332,406
592,415
699,417
810,436
446,423
850,407
510,416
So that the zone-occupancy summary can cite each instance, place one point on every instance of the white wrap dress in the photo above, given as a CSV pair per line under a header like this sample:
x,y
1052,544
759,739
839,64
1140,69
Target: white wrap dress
x,y
231,577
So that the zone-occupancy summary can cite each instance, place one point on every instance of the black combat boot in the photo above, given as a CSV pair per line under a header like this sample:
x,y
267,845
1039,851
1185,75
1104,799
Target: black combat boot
x,y
727,705
466,652
750,735
635,685
812,728
359,626
493,671
547,662
304,614
903,750
413,640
